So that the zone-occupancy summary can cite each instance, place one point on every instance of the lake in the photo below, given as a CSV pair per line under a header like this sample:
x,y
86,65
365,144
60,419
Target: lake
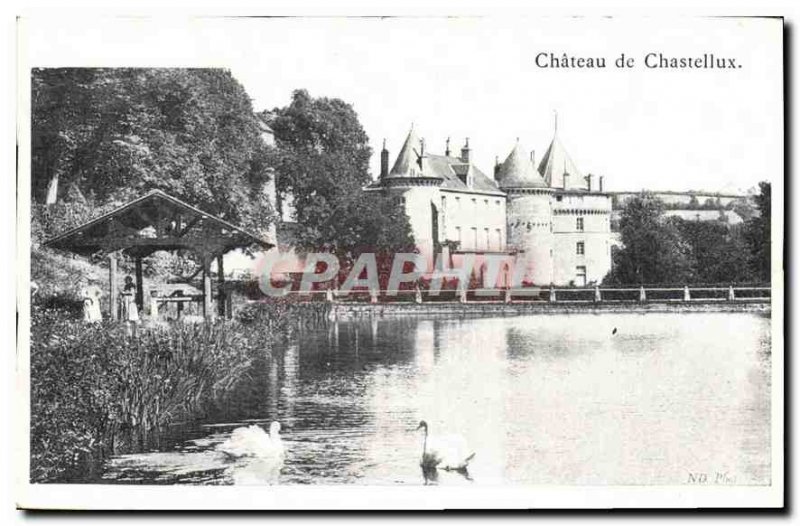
x,y
545,399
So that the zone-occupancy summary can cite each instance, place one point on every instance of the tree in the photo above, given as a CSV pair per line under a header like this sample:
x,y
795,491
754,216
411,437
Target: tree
x,y
115,134
758,233
743,208
322,161
653,250
719,251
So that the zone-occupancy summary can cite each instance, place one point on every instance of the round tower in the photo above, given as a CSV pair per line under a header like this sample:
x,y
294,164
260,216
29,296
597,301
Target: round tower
x,y
529,217
413,180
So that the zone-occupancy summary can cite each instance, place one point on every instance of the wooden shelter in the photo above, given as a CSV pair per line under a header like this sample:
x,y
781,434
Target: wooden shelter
x,y
153,222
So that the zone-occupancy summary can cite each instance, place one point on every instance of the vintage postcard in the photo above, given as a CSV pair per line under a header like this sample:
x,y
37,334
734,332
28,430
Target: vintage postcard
x,y
400,263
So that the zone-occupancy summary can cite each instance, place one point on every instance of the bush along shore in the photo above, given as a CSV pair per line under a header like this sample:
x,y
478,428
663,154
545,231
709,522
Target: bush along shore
x,y
98,389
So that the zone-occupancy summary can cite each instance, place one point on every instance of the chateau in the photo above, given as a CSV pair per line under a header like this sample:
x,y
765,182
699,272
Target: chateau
x,y
551,222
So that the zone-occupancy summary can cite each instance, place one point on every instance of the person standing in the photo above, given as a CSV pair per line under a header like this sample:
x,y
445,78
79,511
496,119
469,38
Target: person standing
x,y
130,311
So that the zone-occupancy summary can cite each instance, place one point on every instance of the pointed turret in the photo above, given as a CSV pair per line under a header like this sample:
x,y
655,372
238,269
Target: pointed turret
x,y
556,163
517,171
412,161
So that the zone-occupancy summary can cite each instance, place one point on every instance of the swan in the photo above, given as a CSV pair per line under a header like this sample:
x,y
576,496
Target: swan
x,y
448,452
253,441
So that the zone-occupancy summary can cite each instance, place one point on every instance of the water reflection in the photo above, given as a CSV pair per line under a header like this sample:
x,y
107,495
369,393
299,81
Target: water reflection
x,y
540,399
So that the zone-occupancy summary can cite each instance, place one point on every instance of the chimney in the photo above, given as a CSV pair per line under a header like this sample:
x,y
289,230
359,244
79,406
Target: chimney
x,y
600,184
421,155
496,165
589,181
384,160
447,147
465,151
533,158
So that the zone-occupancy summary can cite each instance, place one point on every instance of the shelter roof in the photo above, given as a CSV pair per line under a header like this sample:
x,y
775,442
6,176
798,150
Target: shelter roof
x,y
156,221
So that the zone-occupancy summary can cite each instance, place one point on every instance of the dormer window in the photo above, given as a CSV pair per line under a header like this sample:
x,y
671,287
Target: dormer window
x,y
462,171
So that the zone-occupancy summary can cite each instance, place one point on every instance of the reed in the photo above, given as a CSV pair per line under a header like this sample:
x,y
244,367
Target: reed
x,y
95,389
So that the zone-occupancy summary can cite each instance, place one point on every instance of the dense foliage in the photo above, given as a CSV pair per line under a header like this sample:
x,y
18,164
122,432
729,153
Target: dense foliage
x,y
97,389
108,135
660,249
653,249
322,161
759,234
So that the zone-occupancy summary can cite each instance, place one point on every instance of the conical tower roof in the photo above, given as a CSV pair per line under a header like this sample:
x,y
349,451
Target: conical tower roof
x,y
555,163
412,160
517,171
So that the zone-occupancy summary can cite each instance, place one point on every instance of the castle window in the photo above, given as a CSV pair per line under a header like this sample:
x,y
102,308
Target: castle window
x,y
458,236
559,198
579,248
499,234
474,238
579,224
488,239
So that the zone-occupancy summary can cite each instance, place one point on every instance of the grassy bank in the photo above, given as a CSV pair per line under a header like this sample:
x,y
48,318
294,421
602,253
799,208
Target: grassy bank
x,y
96,390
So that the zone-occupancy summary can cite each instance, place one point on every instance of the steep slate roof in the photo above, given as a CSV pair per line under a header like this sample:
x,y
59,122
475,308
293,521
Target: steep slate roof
x,y
555,162
449,169
443,167
517,171
408,158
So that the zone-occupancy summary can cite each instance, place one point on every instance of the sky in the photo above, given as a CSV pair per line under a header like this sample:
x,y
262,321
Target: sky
x,y
657,129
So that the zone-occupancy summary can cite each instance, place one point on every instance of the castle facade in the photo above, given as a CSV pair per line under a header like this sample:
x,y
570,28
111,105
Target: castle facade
x,y
551,223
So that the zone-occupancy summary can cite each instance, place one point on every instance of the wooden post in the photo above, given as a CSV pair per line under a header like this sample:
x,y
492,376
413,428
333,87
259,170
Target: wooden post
x,y
112,286
221,292
139,285
208,311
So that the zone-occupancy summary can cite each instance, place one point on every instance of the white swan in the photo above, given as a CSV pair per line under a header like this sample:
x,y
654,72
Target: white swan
x,y
449,452
253,441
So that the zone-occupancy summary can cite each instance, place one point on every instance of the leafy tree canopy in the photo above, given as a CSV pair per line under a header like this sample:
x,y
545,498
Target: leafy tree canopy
x,y
322,161
114,134
758,233
653,249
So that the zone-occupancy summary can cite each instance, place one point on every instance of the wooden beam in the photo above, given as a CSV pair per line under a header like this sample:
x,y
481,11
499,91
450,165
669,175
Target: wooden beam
x,y
139,285
208,311
112,286
189,226
221,293
130,241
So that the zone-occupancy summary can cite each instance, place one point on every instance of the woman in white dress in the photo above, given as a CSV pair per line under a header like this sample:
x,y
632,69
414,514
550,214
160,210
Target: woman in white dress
x,y
91,303
130,311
